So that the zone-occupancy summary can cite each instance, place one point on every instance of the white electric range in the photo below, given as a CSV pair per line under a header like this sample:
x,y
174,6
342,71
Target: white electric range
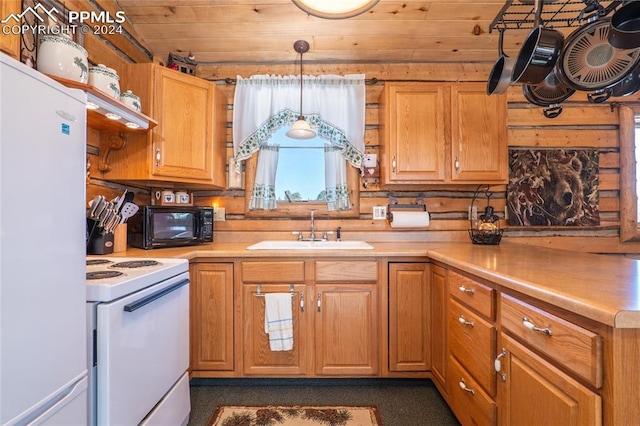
x,y
138,340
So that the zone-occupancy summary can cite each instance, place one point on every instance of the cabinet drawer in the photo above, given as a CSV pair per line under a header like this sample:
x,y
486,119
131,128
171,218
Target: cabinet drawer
x,y
472,340
273,272
570,345
479,297
347,271
469,402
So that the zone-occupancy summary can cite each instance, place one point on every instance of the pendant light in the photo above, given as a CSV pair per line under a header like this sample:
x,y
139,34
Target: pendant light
x,y
301,129
335,9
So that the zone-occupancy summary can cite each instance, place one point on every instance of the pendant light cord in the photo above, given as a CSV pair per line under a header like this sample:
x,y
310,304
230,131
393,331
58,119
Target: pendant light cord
x,y
301,117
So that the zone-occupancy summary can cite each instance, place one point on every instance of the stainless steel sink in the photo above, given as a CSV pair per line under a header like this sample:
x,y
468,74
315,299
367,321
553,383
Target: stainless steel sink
x,y
310,245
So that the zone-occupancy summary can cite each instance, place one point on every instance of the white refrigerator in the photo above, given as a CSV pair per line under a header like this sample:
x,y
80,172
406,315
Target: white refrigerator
x,y
43,368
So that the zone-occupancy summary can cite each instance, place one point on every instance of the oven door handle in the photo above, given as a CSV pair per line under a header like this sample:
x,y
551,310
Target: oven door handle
x,y
154,296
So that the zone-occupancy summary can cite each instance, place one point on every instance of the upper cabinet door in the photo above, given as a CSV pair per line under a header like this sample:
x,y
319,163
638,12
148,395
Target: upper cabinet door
x,y
414,121
184,107
479,135
10,43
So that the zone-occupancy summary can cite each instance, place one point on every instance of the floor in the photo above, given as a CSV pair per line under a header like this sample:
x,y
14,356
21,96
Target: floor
x,y
409,402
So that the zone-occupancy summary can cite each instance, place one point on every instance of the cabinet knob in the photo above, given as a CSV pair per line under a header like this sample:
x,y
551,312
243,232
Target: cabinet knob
x,y
456,164
531,326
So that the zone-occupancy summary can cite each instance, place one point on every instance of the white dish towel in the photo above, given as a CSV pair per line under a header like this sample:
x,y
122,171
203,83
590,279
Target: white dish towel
x,y
278,321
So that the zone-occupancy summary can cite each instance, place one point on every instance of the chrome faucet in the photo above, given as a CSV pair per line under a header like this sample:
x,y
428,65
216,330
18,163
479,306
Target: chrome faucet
x,y
313,226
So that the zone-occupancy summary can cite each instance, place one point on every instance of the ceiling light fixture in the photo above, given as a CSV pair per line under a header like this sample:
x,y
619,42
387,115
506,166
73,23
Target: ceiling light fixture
x,y
335,9
301,129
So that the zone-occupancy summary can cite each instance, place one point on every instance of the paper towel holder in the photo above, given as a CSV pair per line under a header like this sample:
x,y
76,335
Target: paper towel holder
x,y
418,204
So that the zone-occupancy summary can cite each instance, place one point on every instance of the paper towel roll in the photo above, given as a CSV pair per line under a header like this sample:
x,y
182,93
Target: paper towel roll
x,y
409,219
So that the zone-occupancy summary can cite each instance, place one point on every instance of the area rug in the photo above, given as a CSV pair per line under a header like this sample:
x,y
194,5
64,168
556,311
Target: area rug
x,y
294,415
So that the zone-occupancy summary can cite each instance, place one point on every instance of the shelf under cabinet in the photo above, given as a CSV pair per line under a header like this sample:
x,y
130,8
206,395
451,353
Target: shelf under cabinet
x,y
96,118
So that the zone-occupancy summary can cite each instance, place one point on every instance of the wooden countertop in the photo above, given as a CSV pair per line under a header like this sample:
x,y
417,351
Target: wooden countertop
x,y
603,288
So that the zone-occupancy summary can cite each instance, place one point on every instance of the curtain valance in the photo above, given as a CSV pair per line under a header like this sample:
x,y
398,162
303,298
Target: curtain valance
x,y
333,105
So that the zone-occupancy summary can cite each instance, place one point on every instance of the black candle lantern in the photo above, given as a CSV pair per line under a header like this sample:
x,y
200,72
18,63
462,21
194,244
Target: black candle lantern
x,y
487,229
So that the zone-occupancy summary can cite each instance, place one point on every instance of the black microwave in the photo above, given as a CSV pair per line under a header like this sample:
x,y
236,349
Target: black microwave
x,y
170,226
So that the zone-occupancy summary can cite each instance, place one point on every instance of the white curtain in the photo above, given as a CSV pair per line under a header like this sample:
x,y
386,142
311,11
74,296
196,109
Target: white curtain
x,y
333,105
264,191
335,179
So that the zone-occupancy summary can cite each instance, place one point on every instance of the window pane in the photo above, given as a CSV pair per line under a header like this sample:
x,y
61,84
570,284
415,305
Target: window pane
x,y
300,168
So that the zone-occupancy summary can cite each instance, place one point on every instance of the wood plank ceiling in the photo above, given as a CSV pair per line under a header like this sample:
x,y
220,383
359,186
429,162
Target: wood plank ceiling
x,y
263,31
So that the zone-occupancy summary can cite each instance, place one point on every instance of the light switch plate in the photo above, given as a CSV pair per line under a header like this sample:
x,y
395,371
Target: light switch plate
x,y
370,160
379,212
220,214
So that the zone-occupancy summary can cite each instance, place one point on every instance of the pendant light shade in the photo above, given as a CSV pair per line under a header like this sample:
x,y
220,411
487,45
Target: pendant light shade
x,y
335,9
301,129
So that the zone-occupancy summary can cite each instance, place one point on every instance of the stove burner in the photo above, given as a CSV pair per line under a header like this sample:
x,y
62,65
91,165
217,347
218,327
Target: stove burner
x,y
91,262
98,275
136,264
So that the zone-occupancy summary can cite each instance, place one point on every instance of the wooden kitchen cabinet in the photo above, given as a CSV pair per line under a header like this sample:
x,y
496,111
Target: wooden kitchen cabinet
x,y
535,392
10,43
346,330
479,145
472,333
539,354
410,327
336,329
439,327
258,358
211,316
188,145
442,133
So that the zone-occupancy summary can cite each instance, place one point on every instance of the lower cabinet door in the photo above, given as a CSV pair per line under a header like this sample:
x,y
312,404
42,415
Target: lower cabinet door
x,y
211,319
534,392
258,358
469,402
346,330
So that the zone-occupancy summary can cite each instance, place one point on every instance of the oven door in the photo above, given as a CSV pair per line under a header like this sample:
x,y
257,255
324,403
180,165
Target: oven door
x,y
142,350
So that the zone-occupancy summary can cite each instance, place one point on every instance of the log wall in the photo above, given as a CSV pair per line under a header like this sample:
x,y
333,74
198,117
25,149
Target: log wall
x,y
581,125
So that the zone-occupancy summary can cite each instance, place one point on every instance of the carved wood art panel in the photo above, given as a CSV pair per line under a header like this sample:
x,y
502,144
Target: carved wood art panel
x,y
553,187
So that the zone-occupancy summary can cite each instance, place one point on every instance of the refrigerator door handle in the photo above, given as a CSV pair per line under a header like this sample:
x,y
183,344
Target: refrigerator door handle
x,y
52,406
154,296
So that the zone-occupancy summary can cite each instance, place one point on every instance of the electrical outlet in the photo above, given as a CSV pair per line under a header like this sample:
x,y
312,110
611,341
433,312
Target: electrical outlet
x,y
220,214
379,212
472,212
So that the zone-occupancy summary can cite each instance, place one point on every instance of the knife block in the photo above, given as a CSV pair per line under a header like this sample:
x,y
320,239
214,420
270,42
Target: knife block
x,y
97,242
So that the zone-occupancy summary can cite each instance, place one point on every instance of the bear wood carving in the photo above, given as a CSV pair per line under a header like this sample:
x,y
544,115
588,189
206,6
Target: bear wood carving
x,y
553,188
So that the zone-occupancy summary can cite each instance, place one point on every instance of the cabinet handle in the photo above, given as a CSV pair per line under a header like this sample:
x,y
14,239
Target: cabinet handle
x,y
463,321
319,302
158,157
467,290
302,301
497,364
464,387
531,326
393,164
456,164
